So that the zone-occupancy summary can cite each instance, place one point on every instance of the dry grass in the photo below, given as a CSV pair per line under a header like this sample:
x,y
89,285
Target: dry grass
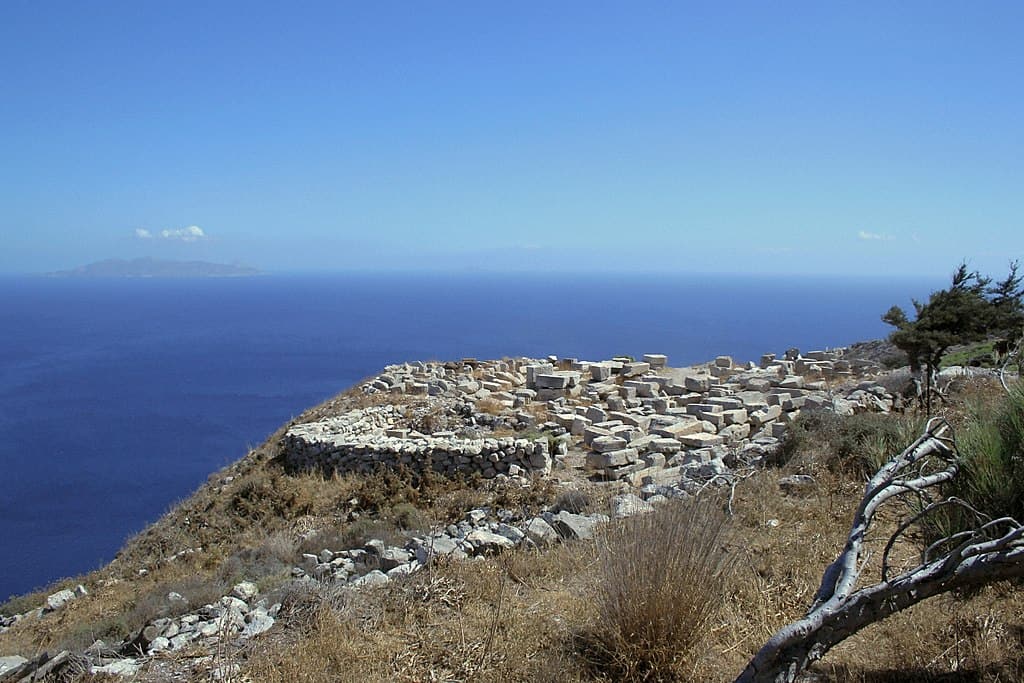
x,y
502,620
660,580
518,617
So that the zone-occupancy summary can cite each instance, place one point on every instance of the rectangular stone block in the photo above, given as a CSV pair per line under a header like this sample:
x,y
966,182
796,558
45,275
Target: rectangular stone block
x,y
656,360
674,431
715,418
765,415
533,370
607,459
579,425
794,403
793,382
727,402
552,381
734,417
603,444
592,432
701,440
752,400
644,389
698,408
600,372
699,383
642,422
635,369
666,445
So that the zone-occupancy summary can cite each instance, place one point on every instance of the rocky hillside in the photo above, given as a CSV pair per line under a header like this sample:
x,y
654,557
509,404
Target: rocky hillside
x,y
411,474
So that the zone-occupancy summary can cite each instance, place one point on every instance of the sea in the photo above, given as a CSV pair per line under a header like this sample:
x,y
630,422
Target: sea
x,y
119,397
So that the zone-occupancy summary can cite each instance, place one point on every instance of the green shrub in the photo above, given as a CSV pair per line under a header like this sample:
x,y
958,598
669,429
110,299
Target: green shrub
x,y
855,444
991,477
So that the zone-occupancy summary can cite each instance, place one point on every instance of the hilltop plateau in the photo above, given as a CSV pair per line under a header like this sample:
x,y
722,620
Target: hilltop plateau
x,y
473,520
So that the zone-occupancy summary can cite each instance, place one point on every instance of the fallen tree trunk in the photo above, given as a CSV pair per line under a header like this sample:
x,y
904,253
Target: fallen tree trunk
x,y
993,551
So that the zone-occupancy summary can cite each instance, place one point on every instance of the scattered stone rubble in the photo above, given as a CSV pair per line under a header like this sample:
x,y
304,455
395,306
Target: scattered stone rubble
x,y
242,614
239,616
479,534
668,431
641,421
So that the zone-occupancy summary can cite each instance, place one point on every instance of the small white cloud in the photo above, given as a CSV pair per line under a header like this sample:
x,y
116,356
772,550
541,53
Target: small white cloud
x,y
143,234
190,234
875,236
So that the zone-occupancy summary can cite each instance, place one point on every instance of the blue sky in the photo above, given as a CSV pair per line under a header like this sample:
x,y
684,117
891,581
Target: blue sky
x,y
716,137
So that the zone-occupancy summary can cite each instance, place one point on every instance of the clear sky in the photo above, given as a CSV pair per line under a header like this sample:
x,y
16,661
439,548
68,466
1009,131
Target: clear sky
x,y
778,137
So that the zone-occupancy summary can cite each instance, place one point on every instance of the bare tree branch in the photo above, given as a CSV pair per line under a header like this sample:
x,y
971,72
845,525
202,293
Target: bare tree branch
x,y
992,551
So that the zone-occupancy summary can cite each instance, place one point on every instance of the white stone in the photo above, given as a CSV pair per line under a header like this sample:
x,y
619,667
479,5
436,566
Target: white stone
x,y
245,590
59,599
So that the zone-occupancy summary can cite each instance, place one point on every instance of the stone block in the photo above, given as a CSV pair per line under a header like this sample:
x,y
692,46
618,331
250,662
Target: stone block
x,y
642,422
735,432
701,440
753,400
600,372
579,425
682,428
656,360
643,389
603,444
793,382
794,403
698,383
666,445
765,415
736,416
635,369
612,459
576,527
699,408
533,370
552,381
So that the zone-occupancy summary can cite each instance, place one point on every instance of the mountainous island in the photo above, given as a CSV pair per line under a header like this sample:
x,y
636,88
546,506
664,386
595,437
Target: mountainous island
x,y
146,267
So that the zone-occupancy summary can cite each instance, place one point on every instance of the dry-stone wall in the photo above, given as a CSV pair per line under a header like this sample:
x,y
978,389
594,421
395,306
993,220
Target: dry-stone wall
x,y
365,439
637,420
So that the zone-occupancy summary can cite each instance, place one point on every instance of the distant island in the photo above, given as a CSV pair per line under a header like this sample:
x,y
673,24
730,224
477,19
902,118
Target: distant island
x,y
150,267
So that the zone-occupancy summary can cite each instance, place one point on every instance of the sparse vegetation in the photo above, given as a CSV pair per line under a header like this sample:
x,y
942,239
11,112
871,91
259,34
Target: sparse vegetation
x,y
991,478
660,579
559,614
856,444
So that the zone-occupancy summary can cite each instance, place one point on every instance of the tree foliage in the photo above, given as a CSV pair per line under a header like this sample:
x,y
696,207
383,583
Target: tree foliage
x,y
971,309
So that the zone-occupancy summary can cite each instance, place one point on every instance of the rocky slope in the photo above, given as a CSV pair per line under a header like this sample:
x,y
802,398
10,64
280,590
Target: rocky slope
x,y
641,430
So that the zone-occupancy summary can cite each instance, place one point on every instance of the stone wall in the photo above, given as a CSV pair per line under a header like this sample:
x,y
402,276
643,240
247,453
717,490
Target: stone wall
x,y
364,440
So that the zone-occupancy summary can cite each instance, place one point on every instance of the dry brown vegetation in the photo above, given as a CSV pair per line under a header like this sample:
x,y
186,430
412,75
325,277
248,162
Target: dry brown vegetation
x,y
535,615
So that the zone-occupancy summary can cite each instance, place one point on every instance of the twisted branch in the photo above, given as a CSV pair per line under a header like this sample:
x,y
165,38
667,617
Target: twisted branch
x,y
972,558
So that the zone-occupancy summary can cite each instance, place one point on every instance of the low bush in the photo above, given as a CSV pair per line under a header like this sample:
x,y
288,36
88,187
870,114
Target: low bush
x,y
661,578
853,444
991,477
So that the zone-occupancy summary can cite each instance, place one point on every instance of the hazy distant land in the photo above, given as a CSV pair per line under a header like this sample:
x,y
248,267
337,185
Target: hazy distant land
x,y
150,267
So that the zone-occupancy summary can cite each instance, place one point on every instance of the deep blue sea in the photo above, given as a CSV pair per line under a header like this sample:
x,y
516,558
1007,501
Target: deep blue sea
x,y
120,397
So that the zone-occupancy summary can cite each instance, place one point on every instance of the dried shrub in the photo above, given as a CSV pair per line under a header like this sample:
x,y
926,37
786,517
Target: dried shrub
x,y
490,406
661,578
574,501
